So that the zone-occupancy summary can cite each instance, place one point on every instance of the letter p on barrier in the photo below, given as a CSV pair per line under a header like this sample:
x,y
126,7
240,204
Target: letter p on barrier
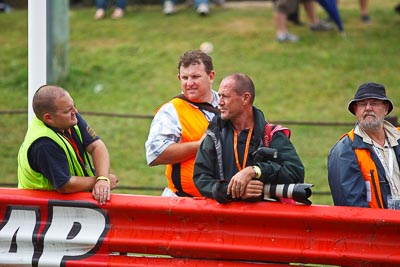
x,y
74,232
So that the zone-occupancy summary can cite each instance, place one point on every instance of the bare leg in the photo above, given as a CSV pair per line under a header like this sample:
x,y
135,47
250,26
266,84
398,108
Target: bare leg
x,y
315,23
364,7
310,10
282,34
280,23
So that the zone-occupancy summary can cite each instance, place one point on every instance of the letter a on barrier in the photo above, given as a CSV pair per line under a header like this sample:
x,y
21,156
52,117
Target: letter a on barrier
x,y
16,236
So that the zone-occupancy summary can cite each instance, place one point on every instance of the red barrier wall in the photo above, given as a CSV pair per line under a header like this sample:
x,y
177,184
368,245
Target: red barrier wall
x,y
51,229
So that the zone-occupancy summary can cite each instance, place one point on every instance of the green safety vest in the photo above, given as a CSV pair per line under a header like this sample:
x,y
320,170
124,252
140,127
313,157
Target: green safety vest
x,y
31,179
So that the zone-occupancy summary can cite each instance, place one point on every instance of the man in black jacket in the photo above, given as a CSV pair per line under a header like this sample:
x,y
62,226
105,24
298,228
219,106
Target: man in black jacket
x,y
225,167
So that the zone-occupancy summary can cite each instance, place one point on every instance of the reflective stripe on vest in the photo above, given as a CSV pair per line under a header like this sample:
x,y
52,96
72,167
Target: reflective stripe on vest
x,y
194,125
370,174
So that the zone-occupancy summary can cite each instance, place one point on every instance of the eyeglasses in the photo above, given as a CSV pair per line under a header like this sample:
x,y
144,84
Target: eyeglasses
x,y
372,103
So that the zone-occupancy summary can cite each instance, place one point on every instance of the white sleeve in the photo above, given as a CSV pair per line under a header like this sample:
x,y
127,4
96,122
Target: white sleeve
x,y
165,129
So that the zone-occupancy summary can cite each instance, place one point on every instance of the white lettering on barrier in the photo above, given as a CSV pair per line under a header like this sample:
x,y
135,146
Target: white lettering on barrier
x,y
16,236
74,230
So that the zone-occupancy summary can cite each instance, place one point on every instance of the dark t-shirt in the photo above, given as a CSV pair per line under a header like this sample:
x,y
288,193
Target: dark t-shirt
x,y
47,157
229,160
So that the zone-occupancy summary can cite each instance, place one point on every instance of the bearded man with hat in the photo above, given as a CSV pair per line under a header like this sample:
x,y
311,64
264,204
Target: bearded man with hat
x,y
363,166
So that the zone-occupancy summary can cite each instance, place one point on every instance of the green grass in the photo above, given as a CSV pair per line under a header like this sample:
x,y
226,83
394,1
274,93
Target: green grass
x,y
135,59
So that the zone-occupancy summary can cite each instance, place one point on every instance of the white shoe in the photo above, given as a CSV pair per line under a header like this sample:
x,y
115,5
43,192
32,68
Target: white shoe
x,y
168,7
100,13
203,9
287,38
118,13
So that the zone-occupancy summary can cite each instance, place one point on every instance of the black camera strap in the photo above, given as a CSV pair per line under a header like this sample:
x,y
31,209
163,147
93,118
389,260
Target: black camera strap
x,y
202,105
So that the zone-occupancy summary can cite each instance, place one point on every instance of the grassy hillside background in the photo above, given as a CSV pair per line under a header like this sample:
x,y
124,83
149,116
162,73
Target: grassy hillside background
x,y
133,61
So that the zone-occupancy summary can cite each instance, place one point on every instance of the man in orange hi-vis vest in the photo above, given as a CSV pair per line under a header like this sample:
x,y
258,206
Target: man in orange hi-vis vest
x,y
179,125
363,166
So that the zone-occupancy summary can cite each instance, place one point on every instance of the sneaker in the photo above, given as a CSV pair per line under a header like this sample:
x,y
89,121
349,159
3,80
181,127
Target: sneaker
x,y
5,8
169,8
118,13
203,9
365,19
327,20
321,26
100,13
287,38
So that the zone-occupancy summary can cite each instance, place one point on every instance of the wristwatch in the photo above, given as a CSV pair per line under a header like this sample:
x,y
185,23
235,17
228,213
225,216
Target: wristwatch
x,y
257,171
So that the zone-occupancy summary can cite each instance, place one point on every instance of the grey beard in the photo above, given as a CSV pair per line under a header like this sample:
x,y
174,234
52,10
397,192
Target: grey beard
x,y
371,125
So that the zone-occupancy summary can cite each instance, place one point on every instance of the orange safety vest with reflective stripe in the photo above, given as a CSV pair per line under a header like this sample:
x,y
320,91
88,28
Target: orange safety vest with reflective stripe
x,y
370,174
194,125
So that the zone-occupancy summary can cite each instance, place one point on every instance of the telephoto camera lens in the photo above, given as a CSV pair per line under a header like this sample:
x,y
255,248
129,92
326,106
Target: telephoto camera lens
x,y
297,192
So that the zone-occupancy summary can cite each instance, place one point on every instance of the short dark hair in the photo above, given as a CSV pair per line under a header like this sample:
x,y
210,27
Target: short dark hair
x,y
44,99
243,83
196,57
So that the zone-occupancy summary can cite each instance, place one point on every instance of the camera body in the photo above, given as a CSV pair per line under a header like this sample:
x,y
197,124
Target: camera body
x,y
265,153
298,192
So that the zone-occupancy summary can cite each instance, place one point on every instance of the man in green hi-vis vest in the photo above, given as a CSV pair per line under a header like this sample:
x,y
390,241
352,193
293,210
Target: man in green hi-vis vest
x,y
55,152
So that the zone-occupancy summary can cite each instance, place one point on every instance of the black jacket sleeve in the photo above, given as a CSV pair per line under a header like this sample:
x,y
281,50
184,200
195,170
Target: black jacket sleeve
x,y
205,173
